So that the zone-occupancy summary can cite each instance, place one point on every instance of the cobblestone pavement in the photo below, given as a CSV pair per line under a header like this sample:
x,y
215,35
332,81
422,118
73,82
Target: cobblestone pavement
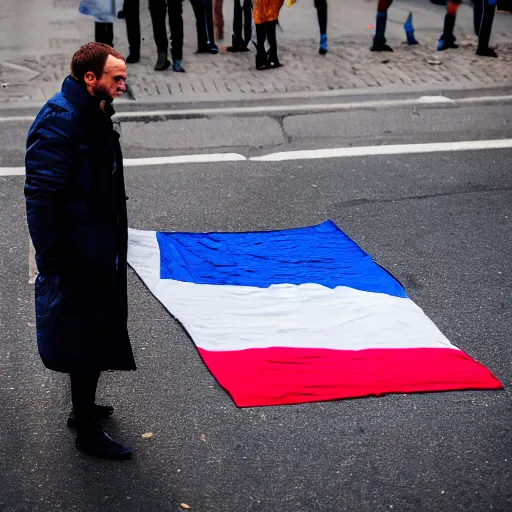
x,y
35,72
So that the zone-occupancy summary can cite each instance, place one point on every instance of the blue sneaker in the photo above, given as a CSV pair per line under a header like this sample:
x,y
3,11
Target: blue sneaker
x,y
177,67
323,44
409,30
445,44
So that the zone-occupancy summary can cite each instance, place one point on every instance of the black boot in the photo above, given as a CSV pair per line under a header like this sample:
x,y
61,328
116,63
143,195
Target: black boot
x,y
379,41
485,31
447,39
272,60
100,412
162,62
261,55
133,56
95,442
237,45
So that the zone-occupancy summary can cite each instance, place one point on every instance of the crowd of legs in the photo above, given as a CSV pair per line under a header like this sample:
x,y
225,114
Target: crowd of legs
x,y
263,15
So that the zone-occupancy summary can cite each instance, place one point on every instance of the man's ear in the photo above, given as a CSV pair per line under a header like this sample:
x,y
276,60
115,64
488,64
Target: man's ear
x,y
90,78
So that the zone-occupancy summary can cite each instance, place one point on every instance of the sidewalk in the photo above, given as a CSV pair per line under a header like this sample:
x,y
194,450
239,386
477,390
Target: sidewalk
x,y
39,37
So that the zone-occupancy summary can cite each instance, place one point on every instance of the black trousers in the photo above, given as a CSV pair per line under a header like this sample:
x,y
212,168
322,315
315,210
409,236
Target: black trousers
x,y
203,10
242,22
83,395
321,9
104,33
483,17
132,18
158,10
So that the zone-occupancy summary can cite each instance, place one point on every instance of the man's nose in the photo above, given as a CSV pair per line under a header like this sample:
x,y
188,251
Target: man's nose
x,y
122,85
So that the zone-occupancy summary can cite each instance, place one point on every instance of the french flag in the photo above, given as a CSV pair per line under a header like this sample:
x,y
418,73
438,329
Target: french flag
x,y
299,315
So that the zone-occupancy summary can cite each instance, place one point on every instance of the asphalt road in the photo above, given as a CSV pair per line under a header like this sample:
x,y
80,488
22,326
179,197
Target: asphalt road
x,y
441,223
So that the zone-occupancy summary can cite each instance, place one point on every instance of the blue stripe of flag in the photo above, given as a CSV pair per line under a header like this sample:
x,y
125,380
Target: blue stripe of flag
x,y
320,254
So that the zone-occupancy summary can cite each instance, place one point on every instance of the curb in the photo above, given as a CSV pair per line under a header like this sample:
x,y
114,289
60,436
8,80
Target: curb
x,y
200,102
282,110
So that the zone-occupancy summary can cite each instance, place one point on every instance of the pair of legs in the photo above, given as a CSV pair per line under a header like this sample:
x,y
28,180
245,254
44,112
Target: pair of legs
x,y
483,17
321,11
379,41
266,32
131,12
242,26
90,438
447,39
104,32
203,10
158,10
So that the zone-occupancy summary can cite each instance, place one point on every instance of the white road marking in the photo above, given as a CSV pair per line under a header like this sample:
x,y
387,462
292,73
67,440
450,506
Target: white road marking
x,y
159,160
437,100
184,159
310,154
395,149
12,171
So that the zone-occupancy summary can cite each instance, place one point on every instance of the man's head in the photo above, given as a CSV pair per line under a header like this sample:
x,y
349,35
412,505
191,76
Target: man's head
x,y
101,69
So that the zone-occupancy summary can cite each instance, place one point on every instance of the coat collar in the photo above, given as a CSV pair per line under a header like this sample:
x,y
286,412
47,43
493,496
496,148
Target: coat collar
x,y
77,95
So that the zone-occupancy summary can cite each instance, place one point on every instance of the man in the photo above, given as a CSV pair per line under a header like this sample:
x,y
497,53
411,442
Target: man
x,y
242,26
203,11
158,10
76,213
131,12
379,41
321,10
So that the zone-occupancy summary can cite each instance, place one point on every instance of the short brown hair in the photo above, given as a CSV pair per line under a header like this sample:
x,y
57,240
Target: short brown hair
x,y
92,57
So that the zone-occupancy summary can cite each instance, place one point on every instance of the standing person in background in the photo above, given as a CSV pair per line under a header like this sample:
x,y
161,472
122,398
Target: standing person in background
x,y
266,14
321,10
131,12
158,10
483,17
218,19
242,26
379,41
104,13
447,39
203,10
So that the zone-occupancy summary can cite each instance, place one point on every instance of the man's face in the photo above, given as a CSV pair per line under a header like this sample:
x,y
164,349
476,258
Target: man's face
x,y
112,82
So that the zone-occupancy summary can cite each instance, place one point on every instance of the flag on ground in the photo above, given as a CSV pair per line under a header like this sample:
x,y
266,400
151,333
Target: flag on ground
x,y
299,315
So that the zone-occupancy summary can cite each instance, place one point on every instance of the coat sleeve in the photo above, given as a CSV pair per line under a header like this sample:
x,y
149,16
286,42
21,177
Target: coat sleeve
x,y
48,164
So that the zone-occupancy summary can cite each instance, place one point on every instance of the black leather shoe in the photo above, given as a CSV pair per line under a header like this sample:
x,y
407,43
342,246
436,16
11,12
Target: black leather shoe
x,y
211,48
273,61
133,57
100,444
100,412
261,61
486,52
237,49
162,62
381,47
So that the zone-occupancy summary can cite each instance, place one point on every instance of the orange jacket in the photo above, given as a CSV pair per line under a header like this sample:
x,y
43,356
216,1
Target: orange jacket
x,y
266,10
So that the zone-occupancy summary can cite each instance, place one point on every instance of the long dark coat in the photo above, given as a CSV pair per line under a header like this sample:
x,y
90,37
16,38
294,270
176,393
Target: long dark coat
x,y
76,213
